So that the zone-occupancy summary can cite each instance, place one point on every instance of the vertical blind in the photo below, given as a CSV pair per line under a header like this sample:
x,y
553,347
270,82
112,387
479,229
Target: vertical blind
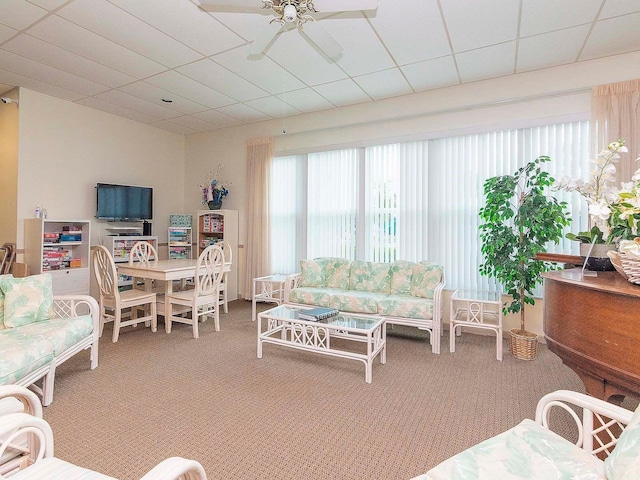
x,y
413,201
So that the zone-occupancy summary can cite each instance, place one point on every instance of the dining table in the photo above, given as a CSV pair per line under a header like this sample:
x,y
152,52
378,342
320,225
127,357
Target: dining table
x,y
166,271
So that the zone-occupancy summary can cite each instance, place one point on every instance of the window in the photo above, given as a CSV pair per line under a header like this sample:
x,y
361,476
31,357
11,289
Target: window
x,y
412,201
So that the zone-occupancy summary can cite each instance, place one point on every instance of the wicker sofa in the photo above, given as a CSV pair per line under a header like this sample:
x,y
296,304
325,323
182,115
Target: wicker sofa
x,y
39,331
532,451
403,293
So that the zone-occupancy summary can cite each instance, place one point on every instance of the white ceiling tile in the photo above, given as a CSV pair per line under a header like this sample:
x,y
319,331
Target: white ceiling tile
x,y
273,107
15,79
266,73
217,119
222,80
193,123
43,52
388,83
429,74
244,113
124,29
613,36
364,56
305,100
186,87
173,127
118,110
247,25
342,92
44,73
6,33
614,8
80,41
153,94
480,23
185,22
19,14
138,104
412,33
49,4
554,48
540,16
297,55
487,62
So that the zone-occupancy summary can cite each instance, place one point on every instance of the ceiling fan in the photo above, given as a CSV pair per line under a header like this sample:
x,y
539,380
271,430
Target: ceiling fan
x,y
292,13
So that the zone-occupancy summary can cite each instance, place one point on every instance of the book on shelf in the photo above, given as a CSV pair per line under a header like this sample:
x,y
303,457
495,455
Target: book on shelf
x,y
316,314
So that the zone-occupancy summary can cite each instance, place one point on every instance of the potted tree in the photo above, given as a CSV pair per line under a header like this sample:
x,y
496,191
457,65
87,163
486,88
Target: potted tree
x,y
519,219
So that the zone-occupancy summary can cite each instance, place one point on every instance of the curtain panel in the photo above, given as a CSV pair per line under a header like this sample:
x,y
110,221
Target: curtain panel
x,y
259,160
616,114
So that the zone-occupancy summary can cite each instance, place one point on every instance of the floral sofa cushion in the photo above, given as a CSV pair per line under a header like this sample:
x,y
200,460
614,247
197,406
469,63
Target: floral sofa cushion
x,y
401,272
624,461
312,273
22,354
336,272
63,333
27,300
2,303
370,277
527,451
424,278
319,296
356,302
405,306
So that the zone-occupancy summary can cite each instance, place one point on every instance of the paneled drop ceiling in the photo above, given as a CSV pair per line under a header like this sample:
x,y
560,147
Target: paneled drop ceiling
x,y
125,56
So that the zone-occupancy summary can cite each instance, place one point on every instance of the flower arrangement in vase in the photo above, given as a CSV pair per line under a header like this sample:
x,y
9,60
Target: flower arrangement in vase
x,y
614,213
214,190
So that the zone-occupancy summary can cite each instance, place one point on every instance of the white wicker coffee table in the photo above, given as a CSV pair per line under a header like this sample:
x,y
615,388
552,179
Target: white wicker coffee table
x,y
283,327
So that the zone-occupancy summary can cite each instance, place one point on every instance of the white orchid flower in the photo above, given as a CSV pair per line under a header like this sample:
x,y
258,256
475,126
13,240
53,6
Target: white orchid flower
x,y
600,210
630,247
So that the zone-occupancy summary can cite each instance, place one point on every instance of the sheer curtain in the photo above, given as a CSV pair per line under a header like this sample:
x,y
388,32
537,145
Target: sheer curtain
x,y
616,114
259,158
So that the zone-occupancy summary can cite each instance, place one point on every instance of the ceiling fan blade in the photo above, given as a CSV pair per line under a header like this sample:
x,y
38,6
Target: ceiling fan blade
x,y
322,39
344,5
264,40
251,6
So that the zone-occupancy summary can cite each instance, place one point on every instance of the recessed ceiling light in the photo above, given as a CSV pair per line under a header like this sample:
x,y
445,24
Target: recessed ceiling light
x,y
167,100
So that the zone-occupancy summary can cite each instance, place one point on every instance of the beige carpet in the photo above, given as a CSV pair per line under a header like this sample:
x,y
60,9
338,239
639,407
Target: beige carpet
x,y
291,414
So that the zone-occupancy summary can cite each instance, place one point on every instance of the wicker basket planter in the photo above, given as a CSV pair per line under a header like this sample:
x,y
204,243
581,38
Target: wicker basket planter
x,y
523,344
630,266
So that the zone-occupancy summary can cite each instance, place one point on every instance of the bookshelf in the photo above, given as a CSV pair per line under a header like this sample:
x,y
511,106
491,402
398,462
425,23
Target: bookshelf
x,y
61,248
216,226
180,242
121,245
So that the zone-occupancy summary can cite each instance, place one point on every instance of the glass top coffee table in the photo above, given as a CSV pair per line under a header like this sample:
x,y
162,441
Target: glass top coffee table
x,y
283,327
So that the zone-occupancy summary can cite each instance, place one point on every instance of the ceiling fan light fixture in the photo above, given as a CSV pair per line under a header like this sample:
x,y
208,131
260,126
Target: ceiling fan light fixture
x,y
290,13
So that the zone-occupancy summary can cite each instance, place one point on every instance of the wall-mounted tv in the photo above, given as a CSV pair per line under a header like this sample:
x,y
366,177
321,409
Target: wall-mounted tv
x,y
124,202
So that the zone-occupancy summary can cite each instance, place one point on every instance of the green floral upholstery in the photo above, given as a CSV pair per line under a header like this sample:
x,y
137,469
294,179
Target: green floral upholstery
x,y
401,272
424,278
527,451
336,272
370,277
624,461
310,296
27,300
405,306
22,354
63,333
2,302
312,273
356,302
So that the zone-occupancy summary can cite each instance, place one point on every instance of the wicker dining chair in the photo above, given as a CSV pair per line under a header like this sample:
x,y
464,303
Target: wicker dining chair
x,y
113,302
203,300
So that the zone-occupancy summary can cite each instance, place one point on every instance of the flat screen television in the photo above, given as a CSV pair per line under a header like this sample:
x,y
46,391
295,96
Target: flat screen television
x,y
124,202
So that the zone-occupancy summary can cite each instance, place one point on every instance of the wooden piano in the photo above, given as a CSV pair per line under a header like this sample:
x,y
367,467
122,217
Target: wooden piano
x,y
593,324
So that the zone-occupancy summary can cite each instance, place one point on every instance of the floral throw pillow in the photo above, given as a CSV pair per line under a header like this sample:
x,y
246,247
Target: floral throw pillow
x,y
2,302
424,278
27,300
624,461
336,272
312,273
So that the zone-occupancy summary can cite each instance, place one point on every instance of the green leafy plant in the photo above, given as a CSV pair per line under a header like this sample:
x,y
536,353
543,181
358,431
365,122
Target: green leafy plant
x,y
519,219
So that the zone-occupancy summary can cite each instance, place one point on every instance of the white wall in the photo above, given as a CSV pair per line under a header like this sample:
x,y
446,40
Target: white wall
x,y
526,98
65,149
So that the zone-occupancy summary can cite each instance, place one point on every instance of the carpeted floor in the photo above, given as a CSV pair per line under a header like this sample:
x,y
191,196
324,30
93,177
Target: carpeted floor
x,y
291,414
